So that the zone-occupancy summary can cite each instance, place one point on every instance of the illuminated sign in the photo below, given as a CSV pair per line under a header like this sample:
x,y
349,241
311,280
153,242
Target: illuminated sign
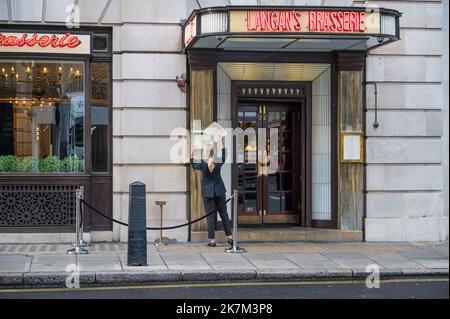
x,y
67,43
304,21
190,31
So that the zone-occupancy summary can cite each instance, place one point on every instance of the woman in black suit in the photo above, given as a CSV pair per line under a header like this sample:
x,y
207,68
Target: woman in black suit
x,y
213,192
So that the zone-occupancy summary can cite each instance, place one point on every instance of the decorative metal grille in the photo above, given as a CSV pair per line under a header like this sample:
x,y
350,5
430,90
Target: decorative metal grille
x,y
37,205
270,92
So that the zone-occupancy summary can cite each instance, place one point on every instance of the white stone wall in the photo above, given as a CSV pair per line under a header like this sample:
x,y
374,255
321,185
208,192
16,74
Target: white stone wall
x,y
147,106
405,154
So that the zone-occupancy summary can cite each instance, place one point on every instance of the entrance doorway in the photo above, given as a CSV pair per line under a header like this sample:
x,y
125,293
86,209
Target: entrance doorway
x,y
268,175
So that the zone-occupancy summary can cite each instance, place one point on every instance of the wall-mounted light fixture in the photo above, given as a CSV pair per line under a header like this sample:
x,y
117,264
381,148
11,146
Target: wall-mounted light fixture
x,y
375,122
182,82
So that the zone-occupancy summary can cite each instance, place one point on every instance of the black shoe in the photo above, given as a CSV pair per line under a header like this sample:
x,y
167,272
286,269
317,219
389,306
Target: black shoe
x,y
211,244
230,241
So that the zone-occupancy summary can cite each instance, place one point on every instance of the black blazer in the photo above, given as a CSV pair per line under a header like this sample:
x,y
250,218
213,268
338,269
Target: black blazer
x,y
212,183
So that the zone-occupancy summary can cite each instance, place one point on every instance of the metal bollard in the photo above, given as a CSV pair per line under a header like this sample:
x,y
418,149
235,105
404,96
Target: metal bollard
x,y
137,233
81,242
162,240
235,248
78,250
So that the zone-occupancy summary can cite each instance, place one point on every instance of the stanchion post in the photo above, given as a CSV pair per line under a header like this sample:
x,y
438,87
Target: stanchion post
x,y
235,248
161,241
77,250
81,242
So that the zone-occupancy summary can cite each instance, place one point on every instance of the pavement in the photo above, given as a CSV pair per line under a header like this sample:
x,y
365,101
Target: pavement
x,y
48,265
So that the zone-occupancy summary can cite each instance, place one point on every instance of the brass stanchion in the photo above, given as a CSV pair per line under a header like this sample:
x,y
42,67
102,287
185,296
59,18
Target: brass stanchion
x,y
161,241
235,248
78,250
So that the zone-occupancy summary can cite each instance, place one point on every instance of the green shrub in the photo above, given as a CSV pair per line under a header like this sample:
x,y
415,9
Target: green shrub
x,y
73,164
28,164
31,164
50,164
8,163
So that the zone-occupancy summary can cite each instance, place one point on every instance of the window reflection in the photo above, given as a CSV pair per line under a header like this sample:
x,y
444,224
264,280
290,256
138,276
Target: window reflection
x,y
100,101
41,116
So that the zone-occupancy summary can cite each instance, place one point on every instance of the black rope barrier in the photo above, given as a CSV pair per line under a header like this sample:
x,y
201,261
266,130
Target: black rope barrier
x,y
157,228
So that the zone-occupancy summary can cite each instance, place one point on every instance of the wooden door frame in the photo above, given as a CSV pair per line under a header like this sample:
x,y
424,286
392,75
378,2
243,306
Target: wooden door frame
x,y
206,58
297,166
305,213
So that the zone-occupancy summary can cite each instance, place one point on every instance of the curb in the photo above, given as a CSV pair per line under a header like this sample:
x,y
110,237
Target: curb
x,y
121,278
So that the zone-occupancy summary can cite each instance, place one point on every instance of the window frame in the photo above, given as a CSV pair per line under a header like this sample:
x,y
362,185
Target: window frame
x,y
87,102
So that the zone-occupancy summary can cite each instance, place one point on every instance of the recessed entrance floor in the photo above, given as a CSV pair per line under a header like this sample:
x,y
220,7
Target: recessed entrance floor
x,y
273,234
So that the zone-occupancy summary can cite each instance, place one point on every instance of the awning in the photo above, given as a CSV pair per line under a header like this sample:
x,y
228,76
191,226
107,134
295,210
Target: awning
x,y
290,29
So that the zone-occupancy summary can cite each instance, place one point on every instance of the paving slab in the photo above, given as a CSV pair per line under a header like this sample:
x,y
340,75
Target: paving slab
x,y
54,258
320,264
227,265
399,264
305,257
433,263
13,257
264,256
274,264
99,265
99,257
154,263
344,255
421,254
188,265
14,266
50,267
385,256
218,257
355,263
181,257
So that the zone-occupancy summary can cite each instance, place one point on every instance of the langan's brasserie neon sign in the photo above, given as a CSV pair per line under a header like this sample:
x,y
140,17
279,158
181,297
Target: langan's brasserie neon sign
x,y
305,21
56,41
45,43
318,21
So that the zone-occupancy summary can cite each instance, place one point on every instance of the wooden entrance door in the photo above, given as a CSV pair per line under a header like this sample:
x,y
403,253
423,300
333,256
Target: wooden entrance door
x,y
268,162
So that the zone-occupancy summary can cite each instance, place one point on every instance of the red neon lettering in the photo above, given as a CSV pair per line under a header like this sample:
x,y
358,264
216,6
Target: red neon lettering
x,y
336,21
67,40
312,21
73,42
297,16
362,22
274,21
44,41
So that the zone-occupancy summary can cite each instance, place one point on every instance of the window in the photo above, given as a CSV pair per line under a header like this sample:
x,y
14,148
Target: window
x,y
42,109
100,102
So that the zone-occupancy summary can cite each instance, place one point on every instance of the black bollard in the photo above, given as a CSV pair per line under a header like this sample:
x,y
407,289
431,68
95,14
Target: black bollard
x,y
137,234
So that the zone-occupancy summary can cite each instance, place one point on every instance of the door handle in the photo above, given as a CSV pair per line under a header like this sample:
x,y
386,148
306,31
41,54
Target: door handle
x,y
258,164
265,169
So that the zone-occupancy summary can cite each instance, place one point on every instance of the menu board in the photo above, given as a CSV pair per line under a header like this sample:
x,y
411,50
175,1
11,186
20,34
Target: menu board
x,y
352,147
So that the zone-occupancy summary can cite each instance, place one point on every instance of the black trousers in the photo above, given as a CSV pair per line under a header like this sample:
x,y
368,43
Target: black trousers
x,y
209,204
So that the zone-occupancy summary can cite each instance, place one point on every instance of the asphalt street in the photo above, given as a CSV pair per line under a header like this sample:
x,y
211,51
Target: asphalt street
x,y
423,288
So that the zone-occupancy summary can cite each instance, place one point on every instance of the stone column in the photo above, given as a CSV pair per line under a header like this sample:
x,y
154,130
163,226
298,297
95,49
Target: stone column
x,y
350,118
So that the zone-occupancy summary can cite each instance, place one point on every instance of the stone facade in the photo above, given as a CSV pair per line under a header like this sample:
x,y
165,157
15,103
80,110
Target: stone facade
x,y
407,197
407,155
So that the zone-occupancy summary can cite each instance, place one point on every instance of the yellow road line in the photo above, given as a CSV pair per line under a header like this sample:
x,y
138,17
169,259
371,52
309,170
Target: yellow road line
x,y
224,284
